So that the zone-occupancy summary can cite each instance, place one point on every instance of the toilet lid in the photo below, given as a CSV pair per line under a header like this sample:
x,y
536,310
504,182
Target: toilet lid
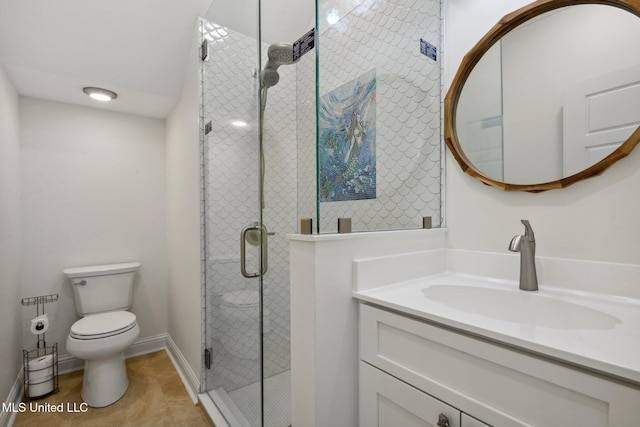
x,y
103,325
241,299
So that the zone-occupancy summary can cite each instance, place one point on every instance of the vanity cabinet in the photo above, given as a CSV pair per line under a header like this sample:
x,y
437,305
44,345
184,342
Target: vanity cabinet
x,y
412,370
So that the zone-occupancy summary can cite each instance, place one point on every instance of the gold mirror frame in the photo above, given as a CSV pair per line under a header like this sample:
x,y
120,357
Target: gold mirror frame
x,y
504,26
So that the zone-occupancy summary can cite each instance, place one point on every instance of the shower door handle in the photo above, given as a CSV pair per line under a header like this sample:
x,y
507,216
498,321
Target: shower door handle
x,y
243,247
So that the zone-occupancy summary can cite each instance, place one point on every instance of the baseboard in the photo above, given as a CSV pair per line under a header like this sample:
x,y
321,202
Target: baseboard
x,y
188,377
147,345
8,416
68,363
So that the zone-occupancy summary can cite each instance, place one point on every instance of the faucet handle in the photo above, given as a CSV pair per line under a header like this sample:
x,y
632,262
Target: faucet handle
x,y
528,231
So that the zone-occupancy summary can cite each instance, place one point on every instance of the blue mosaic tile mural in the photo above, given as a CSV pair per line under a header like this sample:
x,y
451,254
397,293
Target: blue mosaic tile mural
x,y
347,146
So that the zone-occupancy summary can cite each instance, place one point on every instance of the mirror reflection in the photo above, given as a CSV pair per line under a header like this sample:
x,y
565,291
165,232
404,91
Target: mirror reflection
x,y
554,96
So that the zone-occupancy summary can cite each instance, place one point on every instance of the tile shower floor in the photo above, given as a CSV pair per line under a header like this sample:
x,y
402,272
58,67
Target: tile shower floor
x,y
244,403
156,397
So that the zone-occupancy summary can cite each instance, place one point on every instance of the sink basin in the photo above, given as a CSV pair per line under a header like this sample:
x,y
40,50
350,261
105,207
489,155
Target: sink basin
x,y
520,307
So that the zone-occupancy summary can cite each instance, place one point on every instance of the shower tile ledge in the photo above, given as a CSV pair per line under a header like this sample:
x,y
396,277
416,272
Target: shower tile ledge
x,y
436,233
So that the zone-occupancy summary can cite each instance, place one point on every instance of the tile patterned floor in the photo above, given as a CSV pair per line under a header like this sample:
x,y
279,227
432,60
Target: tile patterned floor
x,y
156,397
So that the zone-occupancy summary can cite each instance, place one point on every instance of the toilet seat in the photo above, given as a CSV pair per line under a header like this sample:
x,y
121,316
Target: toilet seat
x,y
241,299
103,325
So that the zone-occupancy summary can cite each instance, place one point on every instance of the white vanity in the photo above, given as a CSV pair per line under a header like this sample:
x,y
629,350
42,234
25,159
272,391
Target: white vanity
x,y
482,352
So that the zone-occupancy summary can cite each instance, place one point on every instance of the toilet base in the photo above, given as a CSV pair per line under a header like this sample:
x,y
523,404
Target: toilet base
x,y
105,380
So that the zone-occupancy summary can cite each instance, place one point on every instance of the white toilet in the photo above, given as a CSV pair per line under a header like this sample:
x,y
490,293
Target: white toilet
x,y
103,294
240,320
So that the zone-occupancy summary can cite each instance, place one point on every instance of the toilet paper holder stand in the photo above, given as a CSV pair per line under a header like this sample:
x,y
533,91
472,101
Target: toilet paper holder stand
x,y
41,363
40,372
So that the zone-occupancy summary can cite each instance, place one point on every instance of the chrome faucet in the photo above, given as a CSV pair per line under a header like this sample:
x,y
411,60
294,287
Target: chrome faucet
x,y
526,245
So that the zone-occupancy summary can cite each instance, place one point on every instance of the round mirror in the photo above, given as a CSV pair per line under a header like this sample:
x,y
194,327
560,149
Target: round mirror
x,y
550,96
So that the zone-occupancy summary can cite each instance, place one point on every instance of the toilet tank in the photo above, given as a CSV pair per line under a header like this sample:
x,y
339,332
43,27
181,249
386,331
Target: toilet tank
x,y
101,288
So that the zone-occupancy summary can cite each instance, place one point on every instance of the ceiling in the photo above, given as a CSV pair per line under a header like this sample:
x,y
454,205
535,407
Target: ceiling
x,y
137,48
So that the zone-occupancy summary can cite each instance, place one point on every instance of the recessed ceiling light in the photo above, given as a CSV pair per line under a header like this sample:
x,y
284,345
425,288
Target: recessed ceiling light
x,y
100,94
238,123
333,16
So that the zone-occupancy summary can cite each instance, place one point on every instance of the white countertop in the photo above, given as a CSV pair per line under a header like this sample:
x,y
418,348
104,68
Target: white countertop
x,y
596,332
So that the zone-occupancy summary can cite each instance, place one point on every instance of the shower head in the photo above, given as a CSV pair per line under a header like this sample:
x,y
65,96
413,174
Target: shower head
x,y
278,54
270,77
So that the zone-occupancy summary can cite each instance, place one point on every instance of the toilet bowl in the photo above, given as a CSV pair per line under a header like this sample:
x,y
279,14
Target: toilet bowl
x,y
241,323
100,339
103,294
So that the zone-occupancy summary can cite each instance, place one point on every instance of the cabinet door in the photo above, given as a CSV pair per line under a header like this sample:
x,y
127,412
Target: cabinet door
x,y
388,402
467,421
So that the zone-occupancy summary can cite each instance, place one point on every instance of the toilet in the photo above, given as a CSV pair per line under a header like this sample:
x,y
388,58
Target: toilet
x,y
240,323
103,294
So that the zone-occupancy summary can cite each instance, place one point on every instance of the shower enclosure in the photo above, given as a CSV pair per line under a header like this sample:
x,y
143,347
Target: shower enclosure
x,y
261,167
249,204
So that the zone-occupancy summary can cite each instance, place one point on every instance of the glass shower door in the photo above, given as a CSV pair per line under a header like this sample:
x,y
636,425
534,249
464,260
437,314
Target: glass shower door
x,y
245,250
279,217
231,203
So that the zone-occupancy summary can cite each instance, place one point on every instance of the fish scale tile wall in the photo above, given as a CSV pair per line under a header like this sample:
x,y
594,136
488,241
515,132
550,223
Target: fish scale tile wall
x,y
385,35
231,203
306,136
380,34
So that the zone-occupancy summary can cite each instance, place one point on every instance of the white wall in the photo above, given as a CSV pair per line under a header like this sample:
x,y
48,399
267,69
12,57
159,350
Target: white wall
x,y
596,219
10,242
183,219
93,192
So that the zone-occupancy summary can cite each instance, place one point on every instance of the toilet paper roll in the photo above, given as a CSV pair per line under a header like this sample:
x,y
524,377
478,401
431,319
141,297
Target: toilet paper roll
x,y
41,376
40,324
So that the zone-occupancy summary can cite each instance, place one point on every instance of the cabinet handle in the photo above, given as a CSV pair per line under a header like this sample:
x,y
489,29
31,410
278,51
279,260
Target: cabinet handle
x,y
443,421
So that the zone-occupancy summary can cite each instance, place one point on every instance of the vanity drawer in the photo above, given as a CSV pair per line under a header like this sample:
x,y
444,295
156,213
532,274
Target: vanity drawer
x,y
388,402
499,385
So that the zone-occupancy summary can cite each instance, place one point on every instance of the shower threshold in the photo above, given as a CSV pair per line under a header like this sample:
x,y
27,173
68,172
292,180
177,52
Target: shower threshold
x,y
241,407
